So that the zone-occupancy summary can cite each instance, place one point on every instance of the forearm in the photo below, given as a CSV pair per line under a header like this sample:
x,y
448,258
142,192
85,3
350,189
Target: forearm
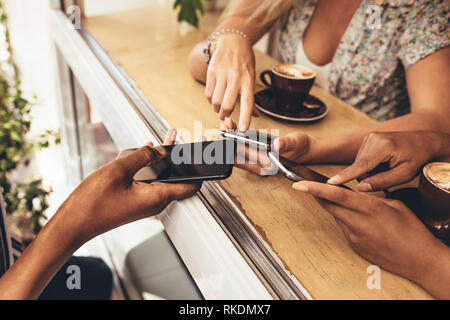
x,y
434,275
31,273
343,148
196,63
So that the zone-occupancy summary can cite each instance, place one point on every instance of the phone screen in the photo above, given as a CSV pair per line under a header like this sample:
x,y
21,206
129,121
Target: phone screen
x,y
199,161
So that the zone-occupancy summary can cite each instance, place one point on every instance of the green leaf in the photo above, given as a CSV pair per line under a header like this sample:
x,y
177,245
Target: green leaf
x,y
20,103
188,11
29,149
15,136
3,88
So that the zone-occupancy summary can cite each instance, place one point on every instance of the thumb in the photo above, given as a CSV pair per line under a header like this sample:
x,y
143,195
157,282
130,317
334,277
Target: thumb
x,y
291,142
142,157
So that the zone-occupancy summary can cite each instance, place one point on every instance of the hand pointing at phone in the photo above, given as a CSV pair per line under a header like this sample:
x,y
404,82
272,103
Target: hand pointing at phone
x,y
231,77
404,153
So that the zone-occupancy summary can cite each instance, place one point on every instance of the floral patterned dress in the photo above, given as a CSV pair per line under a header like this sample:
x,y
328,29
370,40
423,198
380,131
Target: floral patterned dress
x,y
383,39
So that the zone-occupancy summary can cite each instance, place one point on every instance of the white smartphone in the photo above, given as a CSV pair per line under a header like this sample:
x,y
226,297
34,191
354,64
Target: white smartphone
x,y
251,137
289,169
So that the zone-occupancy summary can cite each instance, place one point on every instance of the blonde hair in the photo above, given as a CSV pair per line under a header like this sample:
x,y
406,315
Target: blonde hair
x,y
262,11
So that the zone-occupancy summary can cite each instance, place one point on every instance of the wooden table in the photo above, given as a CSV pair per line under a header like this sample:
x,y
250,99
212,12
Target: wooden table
x,y
149,45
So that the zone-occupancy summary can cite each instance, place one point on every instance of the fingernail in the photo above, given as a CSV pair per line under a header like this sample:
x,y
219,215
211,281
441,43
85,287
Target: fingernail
x,y
364,187
300,187
333,180
242,127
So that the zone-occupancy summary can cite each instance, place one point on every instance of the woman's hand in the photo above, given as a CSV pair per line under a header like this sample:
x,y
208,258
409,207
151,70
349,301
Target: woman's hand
x,y
387,233
231,73
404,152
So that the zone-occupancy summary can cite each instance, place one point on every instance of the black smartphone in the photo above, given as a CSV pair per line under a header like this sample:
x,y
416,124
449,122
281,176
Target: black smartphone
x,y
199,161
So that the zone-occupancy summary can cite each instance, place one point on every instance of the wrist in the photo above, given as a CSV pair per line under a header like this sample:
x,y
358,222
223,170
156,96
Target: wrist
x,y
212,42
70,231
432,271
311,150
39,262
338,149
441,145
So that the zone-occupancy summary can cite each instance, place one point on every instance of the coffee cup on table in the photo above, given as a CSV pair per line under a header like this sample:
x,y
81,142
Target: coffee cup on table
x,y
290,84
434,189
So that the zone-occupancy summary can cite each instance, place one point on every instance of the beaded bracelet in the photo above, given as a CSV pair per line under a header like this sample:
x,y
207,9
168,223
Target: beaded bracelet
x,y
211,41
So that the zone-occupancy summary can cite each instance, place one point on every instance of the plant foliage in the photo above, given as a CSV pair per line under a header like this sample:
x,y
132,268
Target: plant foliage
x,y
15,122
189,10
